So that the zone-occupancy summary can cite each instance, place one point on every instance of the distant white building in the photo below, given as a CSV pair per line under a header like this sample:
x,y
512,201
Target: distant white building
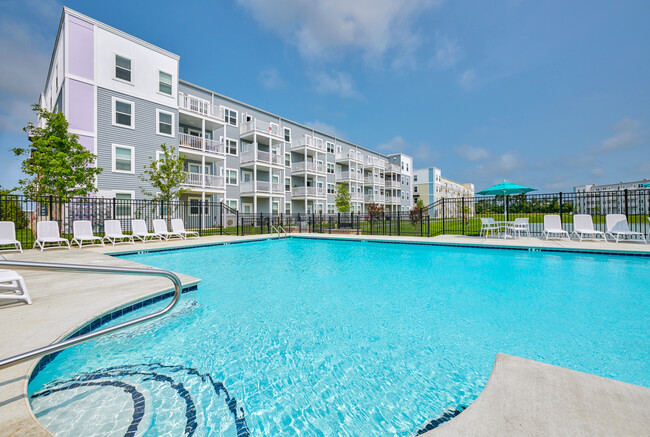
x,y
430,186
611,198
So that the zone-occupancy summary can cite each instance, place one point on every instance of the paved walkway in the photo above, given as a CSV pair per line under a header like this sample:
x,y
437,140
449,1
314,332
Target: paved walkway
x,y
65,301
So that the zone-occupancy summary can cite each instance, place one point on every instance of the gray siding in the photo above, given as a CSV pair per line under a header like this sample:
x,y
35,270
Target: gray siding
x,y
143,139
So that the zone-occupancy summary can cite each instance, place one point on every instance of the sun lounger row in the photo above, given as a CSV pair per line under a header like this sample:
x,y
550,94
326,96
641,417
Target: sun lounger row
x,y
47,233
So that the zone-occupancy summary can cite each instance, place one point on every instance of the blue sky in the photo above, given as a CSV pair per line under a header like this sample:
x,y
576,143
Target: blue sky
x,y
546,94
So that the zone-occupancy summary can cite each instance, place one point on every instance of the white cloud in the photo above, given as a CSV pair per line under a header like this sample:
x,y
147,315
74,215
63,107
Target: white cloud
x,y
325,128
508,163
447,52
271,79
471,153
337,83
467,80
628,134
323,28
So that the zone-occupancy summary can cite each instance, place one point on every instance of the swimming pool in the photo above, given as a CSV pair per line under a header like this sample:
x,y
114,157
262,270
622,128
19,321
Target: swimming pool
x,y
316,337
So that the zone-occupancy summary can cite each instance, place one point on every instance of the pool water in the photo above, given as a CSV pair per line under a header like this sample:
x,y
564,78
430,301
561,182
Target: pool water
x,y
316,337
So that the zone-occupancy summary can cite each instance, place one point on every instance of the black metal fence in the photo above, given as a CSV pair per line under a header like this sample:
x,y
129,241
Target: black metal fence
x,y
461,216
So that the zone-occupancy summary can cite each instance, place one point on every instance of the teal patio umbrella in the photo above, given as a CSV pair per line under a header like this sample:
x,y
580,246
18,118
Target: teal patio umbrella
x,y
503,189
646,185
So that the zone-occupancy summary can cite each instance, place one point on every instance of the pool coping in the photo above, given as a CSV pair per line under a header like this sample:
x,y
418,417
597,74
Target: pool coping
x,y
119,252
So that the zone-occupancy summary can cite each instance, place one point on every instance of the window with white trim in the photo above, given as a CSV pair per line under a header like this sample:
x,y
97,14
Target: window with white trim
x,y
330,189
275,207
231,147
287,207
330,168
230,116
330,209
122,68
287,184
231,177
165,83
123,159
123,113
287,134
287,159
123,204
231,203
165,123
330,147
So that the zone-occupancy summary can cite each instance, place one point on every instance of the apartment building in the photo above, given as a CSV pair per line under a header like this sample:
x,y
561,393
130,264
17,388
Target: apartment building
x,y
124,98
429,186
611,198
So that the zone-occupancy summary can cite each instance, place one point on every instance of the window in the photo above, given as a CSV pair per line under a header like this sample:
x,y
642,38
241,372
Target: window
x,y
287,207
330,147
165,83
230,116
123,113
275,207
165,123
231,177
330,168
231,203
123,204
122,68
415,178
338,150
415,189
123,159
330,209
330,189
287,159
231,147
287,134
287,184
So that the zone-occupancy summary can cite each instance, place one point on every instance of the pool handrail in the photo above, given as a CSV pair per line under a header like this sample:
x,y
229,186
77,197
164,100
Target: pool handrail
x,y
81,268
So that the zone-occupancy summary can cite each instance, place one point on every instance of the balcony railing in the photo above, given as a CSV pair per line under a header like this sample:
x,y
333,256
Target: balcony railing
x,y
201,144
373,180
356,196
262,127
306,166
199,106
393,168
262,157
393,200
308,191
376,198
351,155
349,176
311,143
393,184
211,181
372,161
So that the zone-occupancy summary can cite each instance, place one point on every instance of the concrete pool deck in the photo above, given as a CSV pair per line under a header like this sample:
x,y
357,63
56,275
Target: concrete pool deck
x,y
521,397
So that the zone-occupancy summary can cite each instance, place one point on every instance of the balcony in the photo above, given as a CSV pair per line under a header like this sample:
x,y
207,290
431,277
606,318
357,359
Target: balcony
x,y
393,200
201,145
345,176
310,143
205,181
373,180
261,157
374,198
308,192
262,127
307,167
372,161
393,168
358,197
393,184
200,106
352,155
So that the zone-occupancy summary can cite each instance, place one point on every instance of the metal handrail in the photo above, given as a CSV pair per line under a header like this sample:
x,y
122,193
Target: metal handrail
x,y
277,229
79,268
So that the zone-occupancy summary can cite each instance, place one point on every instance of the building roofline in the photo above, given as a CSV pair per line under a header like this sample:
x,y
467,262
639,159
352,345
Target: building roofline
x,y
239,102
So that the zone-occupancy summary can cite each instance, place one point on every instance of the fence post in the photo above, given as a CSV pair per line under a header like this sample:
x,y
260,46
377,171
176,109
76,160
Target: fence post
x,y
358,225
201,218
299,224
462,206
390,225
626,210
321,222
221,217
428,225
338,220
114,206
242,226
443,216
261,223
330,223
399,223
51,216
237,222
561,221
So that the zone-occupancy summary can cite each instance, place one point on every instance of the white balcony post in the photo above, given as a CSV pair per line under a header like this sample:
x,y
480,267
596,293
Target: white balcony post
x,y
203,134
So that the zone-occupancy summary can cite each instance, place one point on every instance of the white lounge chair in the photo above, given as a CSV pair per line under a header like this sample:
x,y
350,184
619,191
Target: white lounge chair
x,y
160,228
583,225
179,227
12,286
488,225
519,226
617,228
141,233
8,236
47,232
82,230
113,233
553,226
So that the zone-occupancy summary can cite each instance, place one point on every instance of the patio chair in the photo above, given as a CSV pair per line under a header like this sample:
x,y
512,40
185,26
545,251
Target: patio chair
x,y
160,228
8,236
141,233
113,233
179,227
12,286
488,225
584,225
518,226
47,232
82,230
618,228
553,226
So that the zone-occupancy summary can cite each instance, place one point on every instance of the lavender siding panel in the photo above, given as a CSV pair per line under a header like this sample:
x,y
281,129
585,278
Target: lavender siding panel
x,y
81,47
87,142
81,104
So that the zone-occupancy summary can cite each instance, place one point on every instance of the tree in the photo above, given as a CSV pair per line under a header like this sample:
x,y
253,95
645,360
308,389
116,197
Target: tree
x,y
165,175
11,209
416,213
343,198
375,211
56,163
